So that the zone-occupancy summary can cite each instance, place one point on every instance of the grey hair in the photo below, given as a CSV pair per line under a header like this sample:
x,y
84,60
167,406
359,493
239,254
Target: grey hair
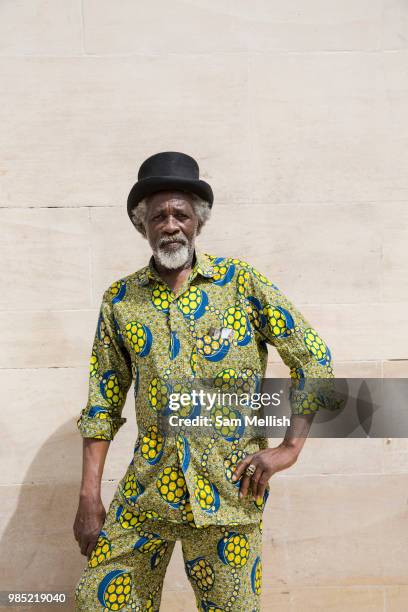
x,y
201,208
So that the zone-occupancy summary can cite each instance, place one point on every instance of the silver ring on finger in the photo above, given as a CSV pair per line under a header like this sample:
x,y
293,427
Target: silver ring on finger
x,y
250,471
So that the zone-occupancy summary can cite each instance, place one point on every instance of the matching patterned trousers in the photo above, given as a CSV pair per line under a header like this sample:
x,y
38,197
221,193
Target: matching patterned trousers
x,y
127,566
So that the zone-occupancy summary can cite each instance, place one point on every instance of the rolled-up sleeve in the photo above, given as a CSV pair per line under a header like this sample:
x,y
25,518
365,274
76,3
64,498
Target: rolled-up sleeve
x,y
110,376
279,323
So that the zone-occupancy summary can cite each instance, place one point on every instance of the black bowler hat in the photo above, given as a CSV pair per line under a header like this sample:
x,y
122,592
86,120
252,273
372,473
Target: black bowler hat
x,y
165,171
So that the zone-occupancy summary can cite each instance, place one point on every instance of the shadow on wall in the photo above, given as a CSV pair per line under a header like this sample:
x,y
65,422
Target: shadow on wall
x,y
38,548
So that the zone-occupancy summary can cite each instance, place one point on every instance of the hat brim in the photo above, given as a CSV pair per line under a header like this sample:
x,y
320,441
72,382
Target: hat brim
x,y
146,187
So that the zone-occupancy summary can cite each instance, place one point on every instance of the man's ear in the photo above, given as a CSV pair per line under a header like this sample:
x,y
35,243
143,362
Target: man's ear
x,y
140,228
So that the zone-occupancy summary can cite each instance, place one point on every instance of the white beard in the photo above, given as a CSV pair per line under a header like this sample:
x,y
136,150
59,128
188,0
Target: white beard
x,y
174,257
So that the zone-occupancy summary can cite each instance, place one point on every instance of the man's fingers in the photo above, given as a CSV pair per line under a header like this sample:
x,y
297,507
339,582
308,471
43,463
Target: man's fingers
x,y
241,467
263,481
260,480
87,544
247,484
91,546
83,545
261,491
244,486
254,481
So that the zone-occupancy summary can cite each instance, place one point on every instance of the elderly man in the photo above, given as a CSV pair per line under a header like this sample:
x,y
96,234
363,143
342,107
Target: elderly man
x,y
192,315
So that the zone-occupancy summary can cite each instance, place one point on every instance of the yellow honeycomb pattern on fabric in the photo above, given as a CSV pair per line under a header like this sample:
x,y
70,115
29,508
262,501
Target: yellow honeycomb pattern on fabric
x,y
104,335
101,552
256,576
309,403
219,271
161,297
315,345
202,572
205,494
112,390
93,364
235,319
225,379
131,487
242,281
115,288
277,321
207,345
231,462
133,519
229,427
234,549
171,485
116,594
254,315
136,334
151,545
152,443
190,300
158,394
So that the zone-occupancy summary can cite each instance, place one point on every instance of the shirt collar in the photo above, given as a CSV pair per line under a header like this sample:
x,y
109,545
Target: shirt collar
x,y
203,266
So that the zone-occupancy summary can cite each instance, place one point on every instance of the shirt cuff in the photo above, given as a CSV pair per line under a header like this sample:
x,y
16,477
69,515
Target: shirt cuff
x,y
310,395
104,428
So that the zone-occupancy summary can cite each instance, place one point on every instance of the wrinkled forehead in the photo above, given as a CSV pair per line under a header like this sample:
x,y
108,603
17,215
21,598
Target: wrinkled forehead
x,y
170,201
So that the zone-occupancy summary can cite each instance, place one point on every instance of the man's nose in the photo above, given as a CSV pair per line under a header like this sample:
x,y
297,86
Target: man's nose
x,y
171,226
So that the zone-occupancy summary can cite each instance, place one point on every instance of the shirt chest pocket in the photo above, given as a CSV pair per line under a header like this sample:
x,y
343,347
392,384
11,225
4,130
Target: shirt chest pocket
x,y
225,342
215,345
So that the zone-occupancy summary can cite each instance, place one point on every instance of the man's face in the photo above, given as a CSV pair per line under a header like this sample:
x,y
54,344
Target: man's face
x,y
171,227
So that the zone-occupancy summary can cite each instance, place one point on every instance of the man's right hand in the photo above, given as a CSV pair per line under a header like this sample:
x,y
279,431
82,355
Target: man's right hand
x,y
88,523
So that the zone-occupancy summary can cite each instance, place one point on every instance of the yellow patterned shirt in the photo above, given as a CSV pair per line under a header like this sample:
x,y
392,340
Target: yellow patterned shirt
x,y
148,337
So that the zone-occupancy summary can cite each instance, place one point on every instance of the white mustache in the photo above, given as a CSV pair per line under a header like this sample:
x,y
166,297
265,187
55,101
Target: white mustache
x,y
164,242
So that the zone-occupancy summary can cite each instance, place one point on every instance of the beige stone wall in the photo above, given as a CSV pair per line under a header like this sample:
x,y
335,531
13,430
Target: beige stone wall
x,y
297,114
